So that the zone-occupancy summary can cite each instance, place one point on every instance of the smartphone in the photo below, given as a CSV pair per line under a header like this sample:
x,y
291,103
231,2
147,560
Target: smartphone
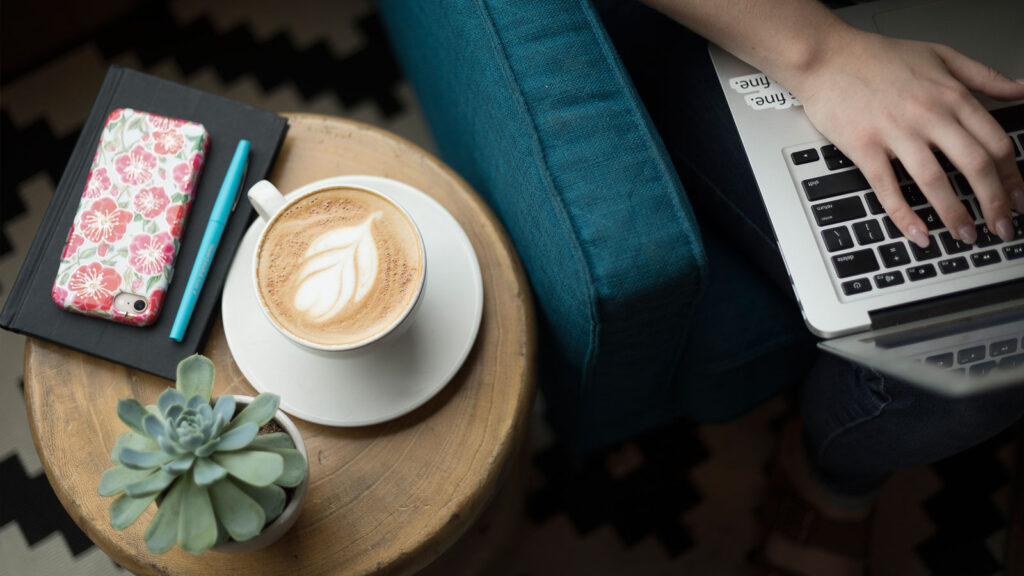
x,y
119,256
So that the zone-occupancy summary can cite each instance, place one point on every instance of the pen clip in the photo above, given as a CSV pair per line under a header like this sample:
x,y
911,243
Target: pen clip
x,y
241,186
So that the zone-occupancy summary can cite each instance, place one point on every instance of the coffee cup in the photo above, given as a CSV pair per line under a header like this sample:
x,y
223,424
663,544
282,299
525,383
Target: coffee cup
x,y
337,269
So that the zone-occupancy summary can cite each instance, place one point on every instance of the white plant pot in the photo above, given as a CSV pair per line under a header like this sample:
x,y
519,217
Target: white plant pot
x,y
276,529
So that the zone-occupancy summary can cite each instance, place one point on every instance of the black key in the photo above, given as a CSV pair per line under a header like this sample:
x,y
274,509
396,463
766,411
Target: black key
x,y
932,251
855,263
913,195
834,185
830,151
838,163
894,254
804,156
931,218
886,279
952,245
963,185
1018,227
1013,252
986,237
1002,348
944,360
972,354
874,206
858,286
986,258
1011,362
838,211
921,272
979,370
953,265
1017,146
891,228
837,238
1010,118
943,161
901,172
1020,167
868,232
970,211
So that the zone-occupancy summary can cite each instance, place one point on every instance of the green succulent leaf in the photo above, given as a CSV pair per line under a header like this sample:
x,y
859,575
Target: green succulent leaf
x,y
207,471
152,484
195,377
144,459
169,398
174,411
223,410
271,497
274,441
115,479
238,438
207,449
294,468
260,411
162,532
169,445
197,526
241,516
179,466
195,402
131,440
155,427
131,412
256,468
126,510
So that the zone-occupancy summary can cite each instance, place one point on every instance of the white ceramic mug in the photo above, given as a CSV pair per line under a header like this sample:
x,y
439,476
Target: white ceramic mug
x,y
270,203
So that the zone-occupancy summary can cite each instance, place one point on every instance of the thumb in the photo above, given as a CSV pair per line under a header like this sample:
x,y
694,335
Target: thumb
x,y
981,77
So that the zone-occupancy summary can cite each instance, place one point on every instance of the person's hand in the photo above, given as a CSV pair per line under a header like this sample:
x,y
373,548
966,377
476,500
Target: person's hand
x,y
879,99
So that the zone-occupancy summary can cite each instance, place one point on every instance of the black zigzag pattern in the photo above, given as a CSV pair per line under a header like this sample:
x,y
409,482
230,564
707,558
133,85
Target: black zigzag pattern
x,y
964,514
152,33
32,504
649,500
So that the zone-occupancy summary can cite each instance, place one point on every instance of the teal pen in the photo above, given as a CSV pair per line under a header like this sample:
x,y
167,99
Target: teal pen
x,y
222,208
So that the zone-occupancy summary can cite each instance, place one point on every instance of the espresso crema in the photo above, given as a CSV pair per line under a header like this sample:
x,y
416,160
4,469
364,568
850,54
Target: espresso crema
x,y
339,266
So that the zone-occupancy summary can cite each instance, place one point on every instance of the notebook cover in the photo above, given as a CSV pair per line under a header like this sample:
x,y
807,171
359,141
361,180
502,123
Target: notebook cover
x,y
29,308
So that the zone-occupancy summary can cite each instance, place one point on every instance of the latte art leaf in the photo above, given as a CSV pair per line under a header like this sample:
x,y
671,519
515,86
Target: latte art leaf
x,y
338,269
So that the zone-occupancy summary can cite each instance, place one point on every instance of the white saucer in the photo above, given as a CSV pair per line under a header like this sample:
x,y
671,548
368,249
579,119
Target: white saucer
x,y
383,382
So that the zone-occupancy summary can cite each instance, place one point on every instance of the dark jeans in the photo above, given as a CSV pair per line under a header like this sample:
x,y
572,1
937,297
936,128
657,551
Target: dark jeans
x,y
859,426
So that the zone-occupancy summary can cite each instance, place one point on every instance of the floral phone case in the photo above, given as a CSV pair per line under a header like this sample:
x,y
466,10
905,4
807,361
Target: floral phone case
x,y
120,252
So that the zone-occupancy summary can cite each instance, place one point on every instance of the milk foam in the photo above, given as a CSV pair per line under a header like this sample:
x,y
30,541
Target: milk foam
x,y
339,268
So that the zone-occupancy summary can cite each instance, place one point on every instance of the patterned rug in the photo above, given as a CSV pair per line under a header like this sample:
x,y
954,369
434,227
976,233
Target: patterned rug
x,y
681,499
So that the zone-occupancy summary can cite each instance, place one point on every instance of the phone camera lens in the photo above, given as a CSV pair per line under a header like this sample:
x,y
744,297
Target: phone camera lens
x,y
139,305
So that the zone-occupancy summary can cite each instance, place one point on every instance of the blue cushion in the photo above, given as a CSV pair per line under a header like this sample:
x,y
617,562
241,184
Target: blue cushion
x,y
529,102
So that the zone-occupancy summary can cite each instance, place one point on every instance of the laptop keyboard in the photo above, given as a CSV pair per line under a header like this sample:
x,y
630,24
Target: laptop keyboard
x,y
980,359
867,253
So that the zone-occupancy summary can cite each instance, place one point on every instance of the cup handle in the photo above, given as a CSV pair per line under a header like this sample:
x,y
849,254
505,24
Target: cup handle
x,y
266,199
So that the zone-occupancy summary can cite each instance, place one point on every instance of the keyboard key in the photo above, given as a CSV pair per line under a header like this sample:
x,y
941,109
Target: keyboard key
x,y
1010,118
894,254
858,286
986,237
857,263
913,195
921,272
901,172
868,232
891,228
972,354
804,156
874,206
834,185
837,238
970,210
1013,252
1017,146
944,360
838,163
1002,348
1018,227
931,218
886,279
932,251
943,161
952,245
838,211
986,258
982,369
831,151
962,185
953,265
1011,362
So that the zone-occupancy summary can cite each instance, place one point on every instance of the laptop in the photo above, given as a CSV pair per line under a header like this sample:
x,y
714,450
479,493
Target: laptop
x,y
949,318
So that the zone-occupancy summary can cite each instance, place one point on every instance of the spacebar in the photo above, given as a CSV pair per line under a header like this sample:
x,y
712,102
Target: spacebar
x,y
834,185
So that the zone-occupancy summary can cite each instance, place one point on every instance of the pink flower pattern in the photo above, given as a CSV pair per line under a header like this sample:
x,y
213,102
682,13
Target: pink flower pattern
x,y
133,208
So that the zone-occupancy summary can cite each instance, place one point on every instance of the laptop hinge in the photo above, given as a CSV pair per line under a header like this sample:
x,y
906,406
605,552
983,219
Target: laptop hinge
x,y
946,304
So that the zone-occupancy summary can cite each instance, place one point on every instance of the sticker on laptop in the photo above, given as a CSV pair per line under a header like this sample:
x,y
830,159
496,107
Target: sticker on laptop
x,y
763,93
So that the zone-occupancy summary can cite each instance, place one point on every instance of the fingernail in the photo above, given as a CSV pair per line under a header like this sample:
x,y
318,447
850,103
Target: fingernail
x,y
968,234
918,236
1004,229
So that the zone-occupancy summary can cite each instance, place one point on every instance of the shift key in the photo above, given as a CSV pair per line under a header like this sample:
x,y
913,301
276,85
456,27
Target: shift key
x,y
855,263
836,211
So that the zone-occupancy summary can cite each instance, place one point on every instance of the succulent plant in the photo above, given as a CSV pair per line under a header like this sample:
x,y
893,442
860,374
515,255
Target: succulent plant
x,y
211,474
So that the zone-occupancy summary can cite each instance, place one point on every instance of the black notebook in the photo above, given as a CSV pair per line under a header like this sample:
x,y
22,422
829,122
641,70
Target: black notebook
x,y
29,308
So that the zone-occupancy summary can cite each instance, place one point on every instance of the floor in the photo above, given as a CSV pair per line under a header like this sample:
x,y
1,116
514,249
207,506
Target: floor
x,y
679,500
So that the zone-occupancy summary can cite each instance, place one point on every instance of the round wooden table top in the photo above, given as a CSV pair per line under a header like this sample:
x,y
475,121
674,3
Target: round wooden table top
x,y
382,499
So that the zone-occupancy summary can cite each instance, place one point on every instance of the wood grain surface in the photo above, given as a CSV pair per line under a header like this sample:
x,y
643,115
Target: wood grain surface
x,y
383,499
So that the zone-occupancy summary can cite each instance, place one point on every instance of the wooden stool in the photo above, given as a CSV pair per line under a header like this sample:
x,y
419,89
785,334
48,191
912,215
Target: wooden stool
x,y
383,499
